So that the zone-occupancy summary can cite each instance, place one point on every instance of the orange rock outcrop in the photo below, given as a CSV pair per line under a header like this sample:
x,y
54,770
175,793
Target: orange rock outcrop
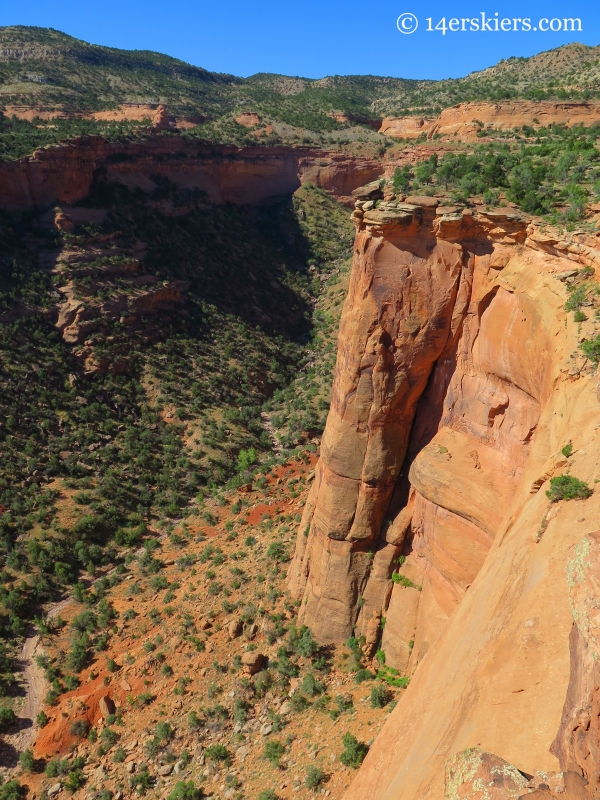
x,y
405,127
457,384
466,120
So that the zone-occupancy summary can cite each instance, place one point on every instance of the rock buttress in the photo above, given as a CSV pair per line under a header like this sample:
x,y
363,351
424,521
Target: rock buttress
x,y
406,302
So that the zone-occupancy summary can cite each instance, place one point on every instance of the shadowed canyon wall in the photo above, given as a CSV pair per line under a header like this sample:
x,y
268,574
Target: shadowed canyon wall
x,y
64,173
458,380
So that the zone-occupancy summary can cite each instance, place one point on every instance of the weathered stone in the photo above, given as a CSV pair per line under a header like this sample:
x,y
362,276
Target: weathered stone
x,y
106,706
252,661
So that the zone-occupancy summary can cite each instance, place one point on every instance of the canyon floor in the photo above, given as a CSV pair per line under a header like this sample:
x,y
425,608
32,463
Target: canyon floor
x,y
204,646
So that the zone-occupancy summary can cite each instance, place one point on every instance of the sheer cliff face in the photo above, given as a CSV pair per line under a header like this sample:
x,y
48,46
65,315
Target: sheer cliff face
x,y
455,390
437,371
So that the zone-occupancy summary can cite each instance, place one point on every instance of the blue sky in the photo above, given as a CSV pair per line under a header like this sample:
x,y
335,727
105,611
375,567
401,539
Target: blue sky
x,y
312,38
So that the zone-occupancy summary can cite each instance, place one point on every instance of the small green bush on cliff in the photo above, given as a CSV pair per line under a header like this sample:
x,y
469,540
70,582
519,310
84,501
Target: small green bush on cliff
x,y
591,349
567,487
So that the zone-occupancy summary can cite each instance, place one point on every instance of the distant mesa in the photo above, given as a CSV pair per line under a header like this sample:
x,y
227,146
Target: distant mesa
x,y
467,120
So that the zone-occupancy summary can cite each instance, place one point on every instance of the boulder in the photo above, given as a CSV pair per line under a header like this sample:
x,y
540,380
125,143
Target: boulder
x,y
235,628
252,662
106,706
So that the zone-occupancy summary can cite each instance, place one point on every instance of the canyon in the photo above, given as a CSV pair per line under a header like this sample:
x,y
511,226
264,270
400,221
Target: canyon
x,y
428,531
427,537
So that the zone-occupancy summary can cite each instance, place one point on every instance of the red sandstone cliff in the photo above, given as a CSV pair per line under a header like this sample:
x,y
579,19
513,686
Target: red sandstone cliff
x,y
457,383
465,120
64,173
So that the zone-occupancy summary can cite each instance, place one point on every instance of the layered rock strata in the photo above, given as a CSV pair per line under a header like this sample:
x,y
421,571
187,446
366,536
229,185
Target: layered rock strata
x,y
65,173
466,120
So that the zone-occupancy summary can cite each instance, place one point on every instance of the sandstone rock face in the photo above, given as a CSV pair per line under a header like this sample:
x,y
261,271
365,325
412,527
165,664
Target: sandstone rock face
x,y
252,662
397,319
405,127
427,335
64,173
248,119
465,120
139,112
106,706
476,775
453,394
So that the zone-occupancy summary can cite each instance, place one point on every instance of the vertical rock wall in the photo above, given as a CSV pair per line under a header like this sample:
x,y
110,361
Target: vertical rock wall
x,y
400,314
431,376
486,628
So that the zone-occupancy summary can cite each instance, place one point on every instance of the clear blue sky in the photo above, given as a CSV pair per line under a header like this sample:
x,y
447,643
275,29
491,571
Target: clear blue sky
x,y
311,38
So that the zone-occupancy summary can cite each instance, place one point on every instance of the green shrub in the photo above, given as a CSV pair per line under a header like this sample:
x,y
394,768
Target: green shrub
x,y
80,728
11,790
354,752
7,719
306,646
576,298
314,778
75,780
27,761
567,487
311,686
185,791
108,737
164,732
56,767
380,697
194,721
217,752
363,675
591,349
267,794
273,752
142,781
278,552
298,702
567,450
120,755
42,719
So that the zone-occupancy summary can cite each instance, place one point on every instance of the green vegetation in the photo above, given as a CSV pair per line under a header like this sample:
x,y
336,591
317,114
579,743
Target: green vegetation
x,y
217,752
248,329
273,752
185,791
354,752
553,175
591,349
56,71
11,790
267,794
7,719
27,761
567,487
314,778
380,697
